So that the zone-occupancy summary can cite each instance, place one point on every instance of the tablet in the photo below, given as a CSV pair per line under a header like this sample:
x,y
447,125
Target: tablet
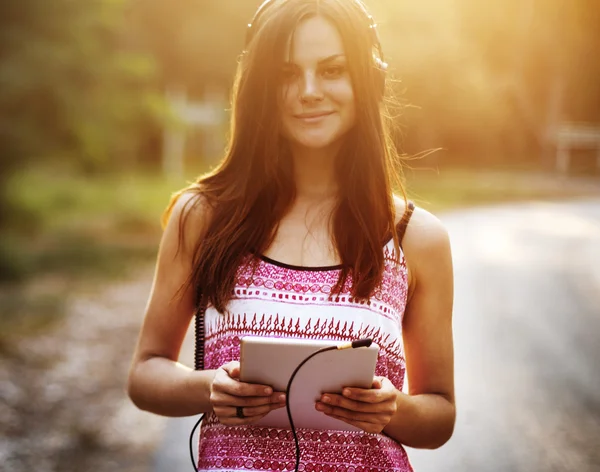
x,y
271,361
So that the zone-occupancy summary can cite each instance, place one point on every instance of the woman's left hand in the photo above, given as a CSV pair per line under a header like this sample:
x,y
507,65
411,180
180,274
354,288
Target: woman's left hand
x,y
368,409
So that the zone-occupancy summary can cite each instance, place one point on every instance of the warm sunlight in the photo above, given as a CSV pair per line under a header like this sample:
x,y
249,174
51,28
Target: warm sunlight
x,y
490,110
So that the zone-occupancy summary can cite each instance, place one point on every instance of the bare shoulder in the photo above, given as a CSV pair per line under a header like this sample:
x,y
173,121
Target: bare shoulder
x,y
186,218
426,243
172,299
185,204
424,229
425,232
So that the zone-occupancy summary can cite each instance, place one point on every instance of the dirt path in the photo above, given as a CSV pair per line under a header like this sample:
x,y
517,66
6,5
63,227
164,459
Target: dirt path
x,y
63,405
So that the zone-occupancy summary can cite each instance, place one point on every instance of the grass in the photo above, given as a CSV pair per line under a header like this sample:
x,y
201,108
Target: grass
x,y
71,231
67,204
79,229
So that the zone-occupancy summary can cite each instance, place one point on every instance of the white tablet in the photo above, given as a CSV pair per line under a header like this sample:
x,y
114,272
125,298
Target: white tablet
x,y
271,361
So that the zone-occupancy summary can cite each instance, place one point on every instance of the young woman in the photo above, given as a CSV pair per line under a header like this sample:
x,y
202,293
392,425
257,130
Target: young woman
x,y
299,223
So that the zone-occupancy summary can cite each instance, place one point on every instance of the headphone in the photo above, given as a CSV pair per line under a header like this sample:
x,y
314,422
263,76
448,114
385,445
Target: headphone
x,y
380,65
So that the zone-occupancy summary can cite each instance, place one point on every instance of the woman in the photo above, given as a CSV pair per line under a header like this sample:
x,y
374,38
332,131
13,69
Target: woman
x,y
302,208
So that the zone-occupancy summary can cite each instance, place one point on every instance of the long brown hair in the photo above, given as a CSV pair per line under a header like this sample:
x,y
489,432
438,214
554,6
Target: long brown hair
x,y
252,188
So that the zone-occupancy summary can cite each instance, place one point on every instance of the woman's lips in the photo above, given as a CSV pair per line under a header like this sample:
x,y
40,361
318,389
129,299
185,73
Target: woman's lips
x,y
313,117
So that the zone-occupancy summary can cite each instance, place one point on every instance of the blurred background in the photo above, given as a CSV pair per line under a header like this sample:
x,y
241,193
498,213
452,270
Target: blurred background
x,y
109,106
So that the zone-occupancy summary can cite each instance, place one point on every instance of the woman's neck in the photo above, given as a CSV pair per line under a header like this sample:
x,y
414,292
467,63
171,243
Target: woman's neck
x,y
314,173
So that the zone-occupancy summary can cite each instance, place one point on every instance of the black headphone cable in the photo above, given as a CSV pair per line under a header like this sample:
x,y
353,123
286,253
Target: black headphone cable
x,y
366,342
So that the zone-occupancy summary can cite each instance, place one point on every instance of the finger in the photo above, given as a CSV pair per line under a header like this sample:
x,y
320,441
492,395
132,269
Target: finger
x,y
372,418
349,404
224,399
377,383
242,389
225,384
278,397
250,411
228,416
233,369
370,395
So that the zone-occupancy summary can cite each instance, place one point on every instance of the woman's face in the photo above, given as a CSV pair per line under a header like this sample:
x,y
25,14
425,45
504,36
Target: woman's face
x,y
317,98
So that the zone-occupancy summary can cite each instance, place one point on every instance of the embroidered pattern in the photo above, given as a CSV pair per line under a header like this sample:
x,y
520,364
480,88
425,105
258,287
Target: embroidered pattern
x,y
315,286
321,450
286,302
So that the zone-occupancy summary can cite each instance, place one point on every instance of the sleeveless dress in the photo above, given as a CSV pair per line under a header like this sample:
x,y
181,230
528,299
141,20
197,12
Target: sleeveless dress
x,y
291,301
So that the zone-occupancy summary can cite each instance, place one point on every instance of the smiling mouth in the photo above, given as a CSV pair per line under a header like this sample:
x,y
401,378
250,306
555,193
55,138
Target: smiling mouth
x,y
310,117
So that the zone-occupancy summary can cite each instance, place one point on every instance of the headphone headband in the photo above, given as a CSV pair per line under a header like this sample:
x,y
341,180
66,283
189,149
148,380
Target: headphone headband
x,y
250,31
372,28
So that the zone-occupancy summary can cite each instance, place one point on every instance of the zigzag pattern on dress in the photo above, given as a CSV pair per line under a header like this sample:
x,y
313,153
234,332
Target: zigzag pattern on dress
x,y
272,325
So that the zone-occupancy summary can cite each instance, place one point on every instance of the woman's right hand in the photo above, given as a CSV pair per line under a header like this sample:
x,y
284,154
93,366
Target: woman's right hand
x,y
227,393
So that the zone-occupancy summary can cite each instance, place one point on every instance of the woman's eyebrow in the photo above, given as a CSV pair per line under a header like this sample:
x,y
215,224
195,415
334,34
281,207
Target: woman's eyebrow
x,y
320,62
330,58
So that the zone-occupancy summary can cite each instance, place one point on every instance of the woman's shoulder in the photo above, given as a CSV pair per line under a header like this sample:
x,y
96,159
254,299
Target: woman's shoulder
x,y
424,228
187,214
426,242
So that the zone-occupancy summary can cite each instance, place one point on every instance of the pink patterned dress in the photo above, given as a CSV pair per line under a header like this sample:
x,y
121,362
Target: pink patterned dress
x,y
291,301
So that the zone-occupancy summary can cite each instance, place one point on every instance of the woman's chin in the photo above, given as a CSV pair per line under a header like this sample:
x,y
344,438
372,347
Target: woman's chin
x,y
316,143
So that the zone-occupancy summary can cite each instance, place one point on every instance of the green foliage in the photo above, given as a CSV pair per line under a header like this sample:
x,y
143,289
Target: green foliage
x,y
105,205
77,97
70,85
79,225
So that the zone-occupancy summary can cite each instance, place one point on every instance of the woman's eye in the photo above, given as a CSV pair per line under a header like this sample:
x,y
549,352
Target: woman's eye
x,y
333,72
288,73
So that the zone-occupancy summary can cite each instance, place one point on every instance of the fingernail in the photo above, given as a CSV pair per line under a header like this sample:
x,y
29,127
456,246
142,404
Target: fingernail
x,y
281,398
326,399
347,393
268,391
320,407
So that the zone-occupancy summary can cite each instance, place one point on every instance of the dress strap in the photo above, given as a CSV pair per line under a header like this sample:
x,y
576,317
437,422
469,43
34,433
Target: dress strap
x,y
403,223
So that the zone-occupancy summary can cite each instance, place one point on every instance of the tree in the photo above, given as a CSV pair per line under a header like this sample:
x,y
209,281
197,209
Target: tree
x,y
490,78
197,42
71,89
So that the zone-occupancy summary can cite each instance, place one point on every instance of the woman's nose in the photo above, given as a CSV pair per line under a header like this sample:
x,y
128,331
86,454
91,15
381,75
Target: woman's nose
x,y
311,88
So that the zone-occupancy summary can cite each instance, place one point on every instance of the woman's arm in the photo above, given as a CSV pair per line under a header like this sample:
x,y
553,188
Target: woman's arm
x,y
425,417
157,382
